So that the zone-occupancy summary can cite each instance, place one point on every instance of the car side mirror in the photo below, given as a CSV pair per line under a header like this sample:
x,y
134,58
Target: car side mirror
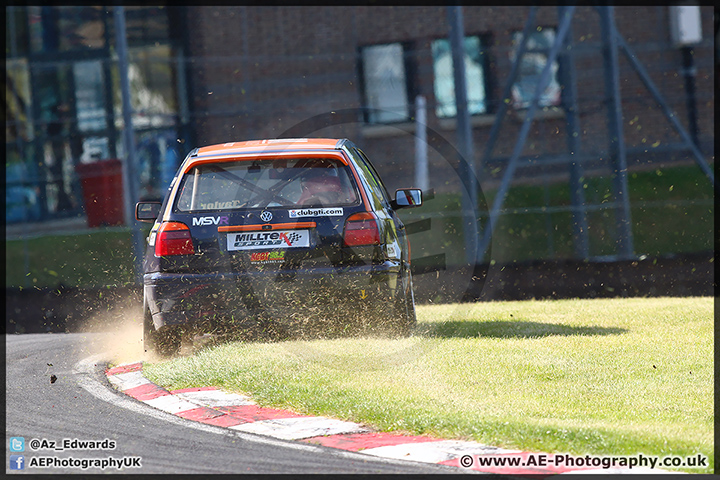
x,y
407,197
147,211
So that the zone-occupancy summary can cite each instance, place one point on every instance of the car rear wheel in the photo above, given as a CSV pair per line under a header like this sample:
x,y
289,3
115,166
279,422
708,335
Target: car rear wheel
x,y
405,318
165,342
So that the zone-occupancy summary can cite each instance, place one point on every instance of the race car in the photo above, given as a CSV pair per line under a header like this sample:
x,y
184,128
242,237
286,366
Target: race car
x,y
282,235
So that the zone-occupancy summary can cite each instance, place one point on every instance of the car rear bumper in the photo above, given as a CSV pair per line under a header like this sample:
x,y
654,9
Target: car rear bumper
x,y
182,298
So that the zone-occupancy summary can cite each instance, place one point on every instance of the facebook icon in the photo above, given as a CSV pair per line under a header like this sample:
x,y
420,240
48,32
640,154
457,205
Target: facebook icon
x,y
17,462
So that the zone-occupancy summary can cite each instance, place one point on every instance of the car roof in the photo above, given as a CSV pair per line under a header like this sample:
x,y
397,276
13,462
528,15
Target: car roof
x,y
263,146
277,147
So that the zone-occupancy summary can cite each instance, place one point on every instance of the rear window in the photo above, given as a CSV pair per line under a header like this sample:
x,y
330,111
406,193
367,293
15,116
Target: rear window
x,y
301,182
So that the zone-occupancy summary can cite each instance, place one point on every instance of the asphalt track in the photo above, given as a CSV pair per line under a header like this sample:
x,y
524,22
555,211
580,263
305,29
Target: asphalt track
x,y
81,404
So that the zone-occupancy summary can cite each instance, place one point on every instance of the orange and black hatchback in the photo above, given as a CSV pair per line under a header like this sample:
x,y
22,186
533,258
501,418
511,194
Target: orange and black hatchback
x,y
291,236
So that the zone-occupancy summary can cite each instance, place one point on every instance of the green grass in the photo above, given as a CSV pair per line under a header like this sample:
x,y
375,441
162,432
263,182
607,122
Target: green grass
x,y
601,377
87,260
672,211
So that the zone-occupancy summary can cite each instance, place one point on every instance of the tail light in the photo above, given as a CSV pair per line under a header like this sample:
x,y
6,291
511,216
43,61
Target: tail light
x,y
362,229
173,238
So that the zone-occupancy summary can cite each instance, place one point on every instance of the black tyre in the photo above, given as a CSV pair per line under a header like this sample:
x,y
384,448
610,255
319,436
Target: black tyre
x,y
148,331
411,316
405,318
165,342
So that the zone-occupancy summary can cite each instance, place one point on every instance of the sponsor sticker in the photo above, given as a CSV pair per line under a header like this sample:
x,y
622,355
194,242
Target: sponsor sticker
x,y
221,205
316,212
223,220
264,258
268,239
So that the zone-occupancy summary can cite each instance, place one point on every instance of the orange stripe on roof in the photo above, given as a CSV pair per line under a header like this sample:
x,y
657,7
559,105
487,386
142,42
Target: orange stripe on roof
x,y
234,156
290,143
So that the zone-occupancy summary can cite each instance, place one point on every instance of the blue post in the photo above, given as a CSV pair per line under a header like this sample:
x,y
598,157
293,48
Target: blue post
x,y
130,178
617,140
665,108
524,130
464,134
505,99
570,105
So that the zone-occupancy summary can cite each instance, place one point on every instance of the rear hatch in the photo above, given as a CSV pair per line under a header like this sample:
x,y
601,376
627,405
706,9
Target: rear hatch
x,y
267,215
283,242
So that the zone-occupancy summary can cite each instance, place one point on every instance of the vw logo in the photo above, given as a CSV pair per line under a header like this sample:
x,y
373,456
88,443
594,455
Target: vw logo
x,y
266,216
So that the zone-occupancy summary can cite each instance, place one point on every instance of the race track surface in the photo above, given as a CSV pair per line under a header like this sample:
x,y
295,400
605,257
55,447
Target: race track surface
x,y
80,404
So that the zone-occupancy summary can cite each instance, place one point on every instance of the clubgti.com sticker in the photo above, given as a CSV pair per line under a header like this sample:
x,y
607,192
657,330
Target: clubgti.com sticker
x,y
316,212
264,240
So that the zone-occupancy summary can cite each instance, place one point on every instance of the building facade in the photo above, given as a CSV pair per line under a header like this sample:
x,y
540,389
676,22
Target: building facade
x,y
64,107
260,71
206,74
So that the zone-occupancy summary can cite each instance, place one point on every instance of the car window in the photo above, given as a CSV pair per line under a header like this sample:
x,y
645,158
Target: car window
x,y
371,179
267,184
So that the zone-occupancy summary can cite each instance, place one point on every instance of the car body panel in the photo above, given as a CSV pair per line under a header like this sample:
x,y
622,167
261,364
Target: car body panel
x,y
266,250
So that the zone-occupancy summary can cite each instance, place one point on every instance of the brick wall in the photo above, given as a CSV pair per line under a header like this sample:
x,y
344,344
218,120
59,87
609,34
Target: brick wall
x,y
259,71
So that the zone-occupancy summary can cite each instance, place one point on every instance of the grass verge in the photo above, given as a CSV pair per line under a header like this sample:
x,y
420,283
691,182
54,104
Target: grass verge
x,y
601,377
86,260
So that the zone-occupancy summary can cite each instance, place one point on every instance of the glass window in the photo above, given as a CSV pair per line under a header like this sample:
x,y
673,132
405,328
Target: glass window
x,y
158,159
16,31
81,27
444,79
370,177
64,28
146,25
531,66
64,116
152,88
17,98
21,193
385,83
89,95
376,182
305,182
36,28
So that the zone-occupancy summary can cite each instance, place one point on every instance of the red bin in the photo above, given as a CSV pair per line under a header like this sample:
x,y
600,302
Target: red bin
x,y
102,192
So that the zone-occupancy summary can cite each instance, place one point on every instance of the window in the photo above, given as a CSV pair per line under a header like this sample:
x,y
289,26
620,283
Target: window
x,y
445,83
531,66
146,25
152,83
385,83
370,177
16,31
65,28
305,182
89,95
17,100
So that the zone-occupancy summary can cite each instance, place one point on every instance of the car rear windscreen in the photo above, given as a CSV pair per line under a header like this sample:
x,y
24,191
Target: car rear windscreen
x,y
243,184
